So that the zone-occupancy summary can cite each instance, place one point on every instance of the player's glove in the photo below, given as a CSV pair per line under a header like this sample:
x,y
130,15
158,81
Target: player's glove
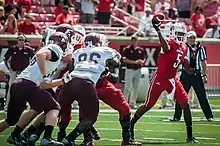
x,y
66,77
156,26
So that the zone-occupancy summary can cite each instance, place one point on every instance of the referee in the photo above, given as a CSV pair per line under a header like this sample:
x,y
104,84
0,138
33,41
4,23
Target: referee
x,y
197,59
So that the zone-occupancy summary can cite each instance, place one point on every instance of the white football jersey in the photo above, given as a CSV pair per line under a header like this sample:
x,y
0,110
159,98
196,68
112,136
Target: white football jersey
x,y
32,72
90,62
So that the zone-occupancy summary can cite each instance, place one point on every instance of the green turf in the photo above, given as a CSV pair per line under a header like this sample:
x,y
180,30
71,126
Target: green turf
x,y
153,129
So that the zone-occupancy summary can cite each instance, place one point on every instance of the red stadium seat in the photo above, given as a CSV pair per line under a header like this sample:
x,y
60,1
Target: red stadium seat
x,y
49,17
34,9
36,17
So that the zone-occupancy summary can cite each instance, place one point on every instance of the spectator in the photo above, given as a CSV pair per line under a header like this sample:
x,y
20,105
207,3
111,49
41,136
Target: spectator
x,y
2,17
198,22
65,17
104,11
86,8
183,7
17,58
10,26
24,4
11,8
139,8
145,23
161,3
134,57
211,7
172,12
212,32
58,10
26,26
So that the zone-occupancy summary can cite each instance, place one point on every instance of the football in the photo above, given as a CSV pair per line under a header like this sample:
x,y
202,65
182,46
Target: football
x,y
158,18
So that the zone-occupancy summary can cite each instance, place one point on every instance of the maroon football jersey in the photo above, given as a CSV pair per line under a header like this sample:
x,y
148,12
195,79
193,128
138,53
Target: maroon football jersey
x,y
169,62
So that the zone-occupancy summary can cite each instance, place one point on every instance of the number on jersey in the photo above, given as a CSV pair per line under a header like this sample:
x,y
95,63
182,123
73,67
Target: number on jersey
x,y
91,58
178,60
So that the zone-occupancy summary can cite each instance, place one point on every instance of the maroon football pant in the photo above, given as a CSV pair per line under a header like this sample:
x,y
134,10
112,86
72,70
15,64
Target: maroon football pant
x,y
109,94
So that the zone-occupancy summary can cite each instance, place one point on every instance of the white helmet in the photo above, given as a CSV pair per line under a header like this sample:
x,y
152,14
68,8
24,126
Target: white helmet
x,y
104,41
79,35
178,33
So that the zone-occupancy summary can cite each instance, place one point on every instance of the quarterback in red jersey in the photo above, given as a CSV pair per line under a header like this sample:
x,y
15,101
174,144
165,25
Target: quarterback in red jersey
x,y
172,54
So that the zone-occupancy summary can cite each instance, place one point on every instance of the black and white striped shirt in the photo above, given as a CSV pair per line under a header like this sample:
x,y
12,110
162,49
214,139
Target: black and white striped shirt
x,y
195,56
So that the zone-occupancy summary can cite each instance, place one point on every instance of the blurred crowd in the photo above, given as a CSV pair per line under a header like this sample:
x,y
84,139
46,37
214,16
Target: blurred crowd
x,y
202,16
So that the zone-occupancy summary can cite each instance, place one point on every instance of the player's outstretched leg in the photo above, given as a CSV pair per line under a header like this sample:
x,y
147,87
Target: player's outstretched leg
x,y
188,122
138,114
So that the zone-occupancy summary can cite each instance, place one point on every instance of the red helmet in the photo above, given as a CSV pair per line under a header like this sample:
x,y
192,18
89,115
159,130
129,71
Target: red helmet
x,y
67,29
59,39
93,39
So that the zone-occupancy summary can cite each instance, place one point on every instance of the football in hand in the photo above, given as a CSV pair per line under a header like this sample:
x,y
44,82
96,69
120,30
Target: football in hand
x,y
158,18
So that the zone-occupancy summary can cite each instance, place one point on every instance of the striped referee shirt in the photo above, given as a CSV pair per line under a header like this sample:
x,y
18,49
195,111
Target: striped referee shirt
x,y
196,54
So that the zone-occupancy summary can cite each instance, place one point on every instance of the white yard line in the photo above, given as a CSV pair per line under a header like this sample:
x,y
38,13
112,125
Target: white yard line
x,y
156,123
152,110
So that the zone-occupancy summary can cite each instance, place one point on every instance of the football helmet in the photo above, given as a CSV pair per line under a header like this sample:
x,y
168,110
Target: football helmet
x,y
59,39
93,40
104,40
67,30
178,33
79,35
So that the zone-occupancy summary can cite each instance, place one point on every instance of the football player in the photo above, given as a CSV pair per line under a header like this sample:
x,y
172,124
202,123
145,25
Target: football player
x,y
172,54
89,63
110,95
32,134
26,89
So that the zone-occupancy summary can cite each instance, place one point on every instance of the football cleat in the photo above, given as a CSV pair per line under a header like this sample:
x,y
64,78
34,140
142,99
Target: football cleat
x,y
87,143
24,136
67,143
33,139
131,143
50,142
174,120
192,140
210,120
95,133
15,141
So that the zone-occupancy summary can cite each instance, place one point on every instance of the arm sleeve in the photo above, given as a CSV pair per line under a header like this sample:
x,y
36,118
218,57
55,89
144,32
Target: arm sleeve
x,y
54,55
202,53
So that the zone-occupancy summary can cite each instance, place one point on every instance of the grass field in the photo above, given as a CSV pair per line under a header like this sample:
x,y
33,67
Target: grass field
x,y
152,130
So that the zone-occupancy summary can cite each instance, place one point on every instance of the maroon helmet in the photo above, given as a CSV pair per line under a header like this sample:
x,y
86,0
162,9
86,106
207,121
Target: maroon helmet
x,y
67,29
59,39
93,39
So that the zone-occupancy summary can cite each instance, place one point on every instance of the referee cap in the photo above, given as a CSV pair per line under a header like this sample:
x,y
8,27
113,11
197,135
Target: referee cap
x,y
191,33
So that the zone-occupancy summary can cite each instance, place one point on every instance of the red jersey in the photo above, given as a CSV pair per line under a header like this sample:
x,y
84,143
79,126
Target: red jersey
x,y
169,62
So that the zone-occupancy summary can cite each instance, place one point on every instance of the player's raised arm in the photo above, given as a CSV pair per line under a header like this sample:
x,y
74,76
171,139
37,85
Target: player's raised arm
x,y
156,22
